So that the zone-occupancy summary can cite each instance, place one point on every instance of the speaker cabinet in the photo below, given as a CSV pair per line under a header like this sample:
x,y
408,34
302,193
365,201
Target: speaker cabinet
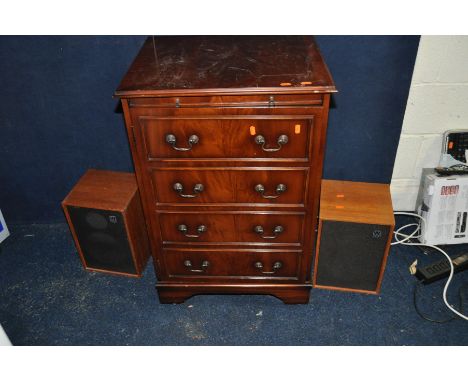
x,y
106,220
355,230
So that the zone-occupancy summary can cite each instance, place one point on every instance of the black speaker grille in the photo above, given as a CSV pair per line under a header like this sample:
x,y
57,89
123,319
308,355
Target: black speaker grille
x,y
351,254
103,239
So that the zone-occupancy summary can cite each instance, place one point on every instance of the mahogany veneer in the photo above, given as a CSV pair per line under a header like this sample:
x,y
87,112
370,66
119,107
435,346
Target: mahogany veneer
x,y
227,135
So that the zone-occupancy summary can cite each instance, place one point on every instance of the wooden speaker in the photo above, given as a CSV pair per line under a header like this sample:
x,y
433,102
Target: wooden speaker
x,y
106,220
355,230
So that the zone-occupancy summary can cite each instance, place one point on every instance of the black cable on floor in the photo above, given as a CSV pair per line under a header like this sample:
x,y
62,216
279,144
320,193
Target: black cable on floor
x,y
430,319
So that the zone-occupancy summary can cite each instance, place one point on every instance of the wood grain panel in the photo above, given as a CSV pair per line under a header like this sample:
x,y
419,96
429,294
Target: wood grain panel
x,y
230,185
291,292
356,202
292,228
219,227
227,264
201,65
229,228
230,137
223,101
107,190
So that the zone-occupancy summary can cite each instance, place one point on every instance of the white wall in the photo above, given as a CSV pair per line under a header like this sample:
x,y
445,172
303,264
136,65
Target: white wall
x,y
438,101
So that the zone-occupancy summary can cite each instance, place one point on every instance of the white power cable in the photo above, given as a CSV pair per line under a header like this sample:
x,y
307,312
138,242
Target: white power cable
x,y
412,235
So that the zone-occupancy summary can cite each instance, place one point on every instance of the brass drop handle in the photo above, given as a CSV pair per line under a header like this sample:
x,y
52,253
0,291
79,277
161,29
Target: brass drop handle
x,y
196,189
172,140
276,231
277,265
183,229
204,265
282,140
280,188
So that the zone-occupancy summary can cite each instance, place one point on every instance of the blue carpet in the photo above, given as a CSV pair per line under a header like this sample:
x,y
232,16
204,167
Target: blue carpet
x,y
46,298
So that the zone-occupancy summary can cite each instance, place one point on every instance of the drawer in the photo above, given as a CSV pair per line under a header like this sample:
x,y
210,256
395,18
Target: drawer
x,y
230,185
226,137
229,227
231,264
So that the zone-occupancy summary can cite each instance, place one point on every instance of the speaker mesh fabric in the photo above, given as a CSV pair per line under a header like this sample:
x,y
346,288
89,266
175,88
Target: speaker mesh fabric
x,y
351,254
96,220
104,246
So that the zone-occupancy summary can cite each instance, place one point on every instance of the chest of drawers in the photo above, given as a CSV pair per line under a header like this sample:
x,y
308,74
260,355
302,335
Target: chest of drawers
x,y
227,136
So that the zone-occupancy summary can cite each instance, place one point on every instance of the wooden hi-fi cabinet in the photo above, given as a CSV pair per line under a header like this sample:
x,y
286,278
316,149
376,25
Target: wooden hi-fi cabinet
x,y
227,135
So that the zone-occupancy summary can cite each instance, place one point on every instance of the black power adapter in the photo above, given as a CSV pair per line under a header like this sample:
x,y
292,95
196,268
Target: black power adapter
x,y
441,269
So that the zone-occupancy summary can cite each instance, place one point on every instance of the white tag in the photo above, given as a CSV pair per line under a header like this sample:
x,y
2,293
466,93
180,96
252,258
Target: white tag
x,y
413,267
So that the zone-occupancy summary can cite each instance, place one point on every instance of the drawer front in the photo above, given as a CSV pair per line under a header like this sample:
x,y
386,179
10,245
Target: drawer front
x,y
230,227
242,185
231,264
230,137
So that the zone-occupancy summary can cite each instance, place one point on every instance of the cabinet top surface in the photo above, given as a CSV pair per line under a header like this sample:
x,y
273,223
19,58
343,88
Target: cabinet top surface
x,y
185,65
103,190
358,202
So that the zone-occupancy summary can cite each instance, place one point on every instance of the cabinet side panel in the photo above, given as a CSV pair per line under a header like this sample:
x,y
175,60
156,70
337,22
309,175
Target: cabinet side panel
x,y
316,155
137,232
144,187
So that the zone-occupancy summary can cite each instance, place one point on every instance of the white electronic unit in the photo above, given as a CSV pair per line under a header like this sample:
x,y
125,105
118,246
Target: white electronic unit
x,y
4,233
443,203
